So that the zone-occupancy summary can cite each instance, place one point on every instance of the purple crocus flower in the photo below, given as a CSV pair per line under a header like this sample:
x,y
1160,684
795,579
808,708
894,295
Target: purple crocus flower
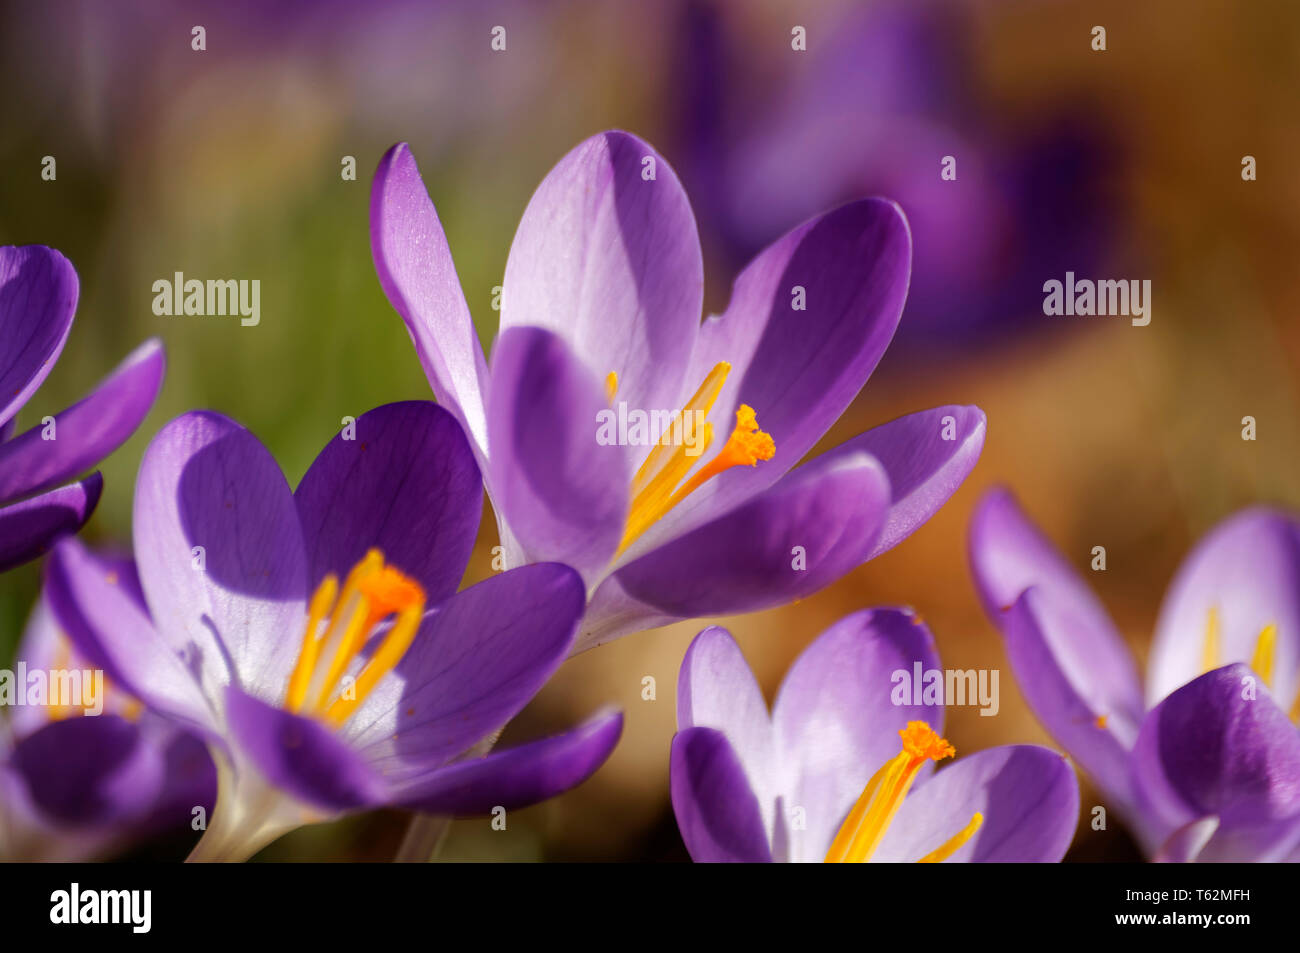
x,y
883,94
81,782
38,295
600,323
316,639
840,769
1207,765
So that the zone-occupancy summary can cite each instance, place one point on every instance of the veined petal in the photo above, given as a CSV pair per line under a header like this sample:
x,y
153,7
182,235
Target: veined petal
x,y
1220,746
608,258
1070,711
716,689
406,483
926,455
301,756
1247,572
800,369
836,719
38,296
1071,630
478,658
564,495
28,529
717,812
87,431
818,523
1027,796
100,613
515,777
220,551
418,275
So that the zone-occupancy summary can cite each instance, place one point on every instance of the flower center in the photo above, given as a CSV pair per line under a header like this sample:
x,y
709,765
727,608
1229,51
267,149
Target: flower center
x,y
339,624
655,488
865,827
1261,660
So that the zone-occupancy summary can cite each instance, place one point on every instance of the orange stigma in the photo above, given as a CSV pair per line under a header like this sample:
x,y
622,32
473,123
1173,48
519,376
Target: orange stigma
x,y
865,827
371,593
655,488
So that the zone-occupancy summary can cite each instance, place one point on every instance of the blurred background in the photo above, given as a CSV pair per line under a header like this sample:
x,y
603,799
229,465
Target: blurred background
x,y
1119,164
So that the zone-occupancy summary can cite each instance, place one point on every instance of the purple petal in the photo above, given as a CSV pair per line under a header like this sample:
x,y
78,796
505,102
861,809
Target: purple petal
x,y
207,482
301,756
116,776
44,646
924,464
406,484
836,721
417,274
715,688
105,622
809,530
1184,845
610,261
38,295
478,658
1027,795
1247,570
799,370
87,431
516,777
563,495
28,529
1071,630
1071,712
1220,746
89,771
717,812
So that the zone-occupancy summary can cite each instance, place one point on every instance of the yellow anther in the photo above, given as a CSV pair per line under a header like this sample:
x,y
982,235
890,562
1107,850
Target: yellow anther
x,y
371,593
1265,651
953,844
655,488
1210,651
865,827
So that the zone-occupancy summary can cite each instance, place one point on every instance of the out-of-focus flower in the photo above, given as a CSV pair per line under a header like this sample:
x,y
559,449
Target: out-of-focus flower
x,y
1207,767
316,638
880,99
825,776
38,296
600,319
85,778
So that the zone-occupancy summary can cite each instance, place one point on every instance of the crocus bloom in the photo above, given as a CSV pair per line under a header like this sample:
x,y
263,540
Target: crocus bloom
x,y
600,316
316,637
840,770
1207,765
38,295
85,777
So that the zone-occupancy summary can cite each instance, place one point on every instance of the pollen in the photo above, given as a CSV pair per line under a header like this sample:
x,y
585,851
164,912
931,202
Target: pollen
x,y
657,486
868,821
372,593
923,742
